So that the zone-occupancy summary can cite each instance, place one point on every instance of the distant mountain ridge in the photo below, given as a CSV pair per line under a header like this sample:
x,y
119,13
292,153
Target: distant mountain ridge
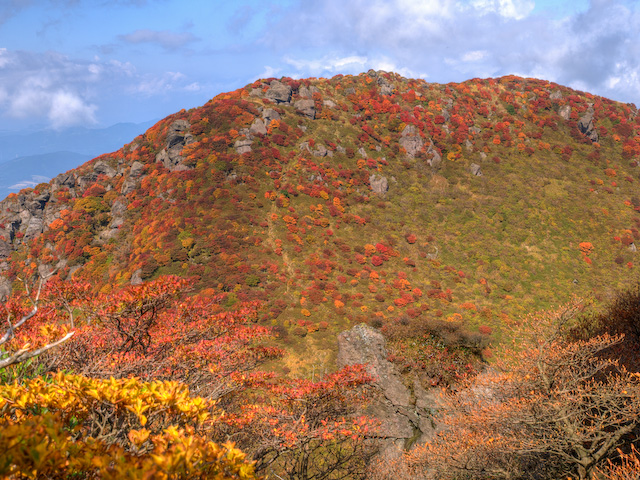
x,y
24,172
27,159
86,141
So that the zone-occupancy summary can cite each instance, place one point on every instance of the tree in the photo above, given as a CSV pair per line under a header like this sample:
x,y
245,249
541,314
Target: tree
x,y
19,310
550,408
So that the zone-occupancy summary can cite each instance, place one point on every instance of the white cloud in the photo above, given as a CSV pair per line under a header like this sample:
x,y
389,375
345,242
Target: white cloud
x,y
160,84
164,38
329,65
474,56
68,109
453,40
517,9
268,72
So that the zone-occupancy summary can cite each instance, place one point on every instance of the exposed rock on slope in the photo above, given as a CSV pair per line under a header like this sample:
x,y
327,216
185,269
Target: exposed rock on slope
x,y
404,413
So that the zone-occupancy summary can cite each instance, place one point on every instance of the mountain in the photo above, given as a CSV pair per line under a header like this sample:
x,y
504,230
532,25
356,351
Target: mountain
x,y
317,224
410,206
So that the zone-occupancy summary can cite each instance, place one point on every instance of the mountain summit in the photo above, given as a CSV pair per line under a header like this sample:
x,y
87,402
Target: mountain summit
x,y
370,198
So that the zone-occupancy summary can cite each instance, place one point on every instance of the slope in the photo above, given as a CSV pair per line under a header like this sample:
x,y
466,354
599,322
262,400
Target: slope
x,y
433,212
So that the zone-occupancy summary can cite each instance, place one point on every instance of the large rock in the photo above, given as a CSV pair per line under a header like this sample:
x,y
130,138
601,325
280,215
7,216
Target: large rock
x,y
268,115
379,184
258,127
243,145
101,168
307,108
177,138
386,88
565,112
135,173
307,92
404,417
411,140
5,249
278,92
586,126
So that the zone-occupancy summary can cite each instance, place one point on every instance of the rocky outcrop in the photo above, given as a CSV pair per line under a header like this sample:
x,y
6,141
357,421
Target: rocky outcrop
x,y
586,126
278,92
379,184
101,168
306,107
565,112
177,138
268,115
475,169
258,127
411,140
434,159
556,95
135,174
402,411
243,145
307,92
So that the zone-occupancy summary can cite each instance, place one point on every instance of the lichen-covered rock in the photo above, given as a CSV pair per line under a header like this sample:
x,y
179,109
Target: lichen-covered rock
x,y
307,92
177,138
102,168
268,115
306,108
475,169
565,112
379,184
243,145
401,418
258,127
135,174
278,92
586,125
411,140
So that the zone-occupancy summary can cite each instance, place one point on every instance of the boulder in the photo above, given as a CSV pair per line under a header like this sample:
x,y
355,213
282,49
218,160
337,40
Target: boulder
x,y
268,115
434,159
379,185
243,145
135,173
5,289
136,278
307,92
258,127
177,137
5,249
386,88
411,140
65,180
278,92
101,168
402,415
306,107
34,228
475,169
565,112
586,126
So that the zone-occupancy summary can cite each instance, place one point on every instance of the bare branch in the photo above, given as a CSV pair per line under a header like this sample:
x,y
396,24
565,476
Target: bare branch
x,y
25,354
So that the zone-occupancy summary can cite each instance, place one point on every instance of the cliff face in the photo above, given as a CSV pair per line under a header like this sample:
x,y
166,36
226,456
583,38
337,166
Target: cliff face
x,y
371,198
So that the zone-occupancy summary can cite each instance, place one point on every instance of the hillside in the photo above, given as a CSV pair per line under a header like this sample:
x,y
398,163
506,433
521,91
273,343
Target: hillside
x,y
370,198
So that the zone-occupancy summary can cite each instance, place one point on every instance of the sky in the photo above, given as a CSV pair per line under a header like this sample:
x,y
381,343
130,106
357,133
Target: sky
x,y
94,63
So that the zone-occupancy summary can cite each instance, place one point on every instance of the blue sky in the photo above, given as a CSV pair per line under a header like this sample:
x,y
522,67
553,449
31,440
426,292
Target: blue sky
x,y
98,62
